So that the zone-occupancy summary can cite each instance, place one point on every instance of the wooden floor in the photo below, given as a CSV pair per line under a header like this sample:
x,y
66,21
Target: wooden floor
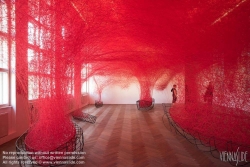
x,y
124,136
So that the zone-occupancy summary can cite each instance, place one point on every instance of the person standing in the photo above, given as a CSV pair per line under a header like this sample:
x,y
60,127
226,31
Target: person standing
x,y
174,93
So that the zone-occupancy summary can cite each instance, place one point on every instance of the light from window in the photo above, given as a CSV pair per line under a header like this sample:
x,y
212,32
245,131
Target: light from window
x,y
4,94
3,17
33,87
83,78
32,61
3,53
31,33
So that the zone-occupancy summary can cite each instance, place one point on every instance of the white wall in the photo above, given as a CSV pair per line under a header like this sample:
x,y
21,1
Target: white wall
x,y
117,95
164,96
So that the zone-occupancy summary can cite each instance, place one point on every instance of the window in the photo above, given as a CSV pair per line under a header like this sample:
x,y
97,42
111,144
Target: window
x,y
6,48
69,80
84,73
41,58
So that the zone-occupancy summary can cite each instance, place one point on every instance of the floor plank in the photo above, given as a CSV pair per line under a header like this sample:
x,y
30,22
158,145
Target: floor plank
x,y
124,136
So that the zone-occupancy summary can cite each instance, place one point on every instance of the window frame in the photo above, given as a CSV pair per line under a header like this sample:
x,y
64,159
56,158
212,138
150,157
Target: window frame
x,y
39,52
7,33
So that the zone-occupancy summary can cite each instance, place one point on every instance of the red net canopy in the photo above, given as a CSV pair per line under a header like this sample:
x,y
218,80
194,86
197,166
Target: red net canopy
x,y
190,42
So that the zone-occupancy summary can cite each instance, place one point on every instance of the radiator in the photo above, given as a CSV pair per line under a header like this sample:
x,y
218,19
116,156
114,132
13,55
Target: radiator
x,y
4,124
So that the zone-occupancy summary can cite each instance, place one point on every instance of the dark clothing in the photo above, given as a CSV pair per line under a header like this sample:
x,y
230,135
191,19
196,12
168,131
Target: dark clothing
x,y
208,97
174,94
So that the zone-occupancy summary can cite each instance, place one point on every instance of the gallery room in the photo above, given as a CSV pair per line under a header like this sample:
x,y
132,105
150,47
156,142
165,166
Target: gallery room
x,y
124,83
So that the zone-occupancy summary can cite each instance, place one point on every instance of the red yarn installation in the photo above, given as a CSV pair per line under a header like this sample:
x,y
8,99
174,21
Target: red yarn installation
x,y
222,127
51,130
154,44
